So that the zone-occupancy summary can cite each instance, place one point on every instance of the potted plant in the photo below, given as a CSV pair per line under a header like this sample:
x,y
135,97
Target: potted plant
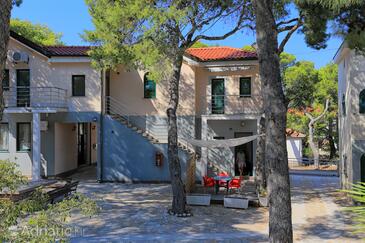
x,y
263,199
236,201
198,199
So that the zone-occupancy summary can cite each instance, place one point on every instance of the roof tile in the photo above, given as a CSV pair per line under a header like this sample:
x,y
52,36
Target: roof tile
x,y
220,53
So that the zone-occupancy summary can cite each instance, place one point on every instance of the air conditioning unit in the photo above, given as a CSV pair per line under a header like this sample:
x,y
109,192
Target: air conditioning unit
x,y
20,57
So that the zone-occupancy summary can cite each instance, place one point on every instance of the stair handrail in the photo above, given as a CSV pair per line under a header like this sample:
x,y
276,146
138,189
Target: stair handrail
x,y
116,107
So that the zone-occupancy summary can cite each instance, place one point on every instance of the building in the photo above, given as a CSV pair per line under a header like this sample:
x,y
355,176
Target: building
x,y
61,113
294,146
351,100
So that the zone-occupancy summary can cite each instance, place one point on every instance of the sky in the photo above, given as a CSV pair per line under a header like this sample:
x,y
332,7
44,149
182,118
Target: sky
x,y
71,18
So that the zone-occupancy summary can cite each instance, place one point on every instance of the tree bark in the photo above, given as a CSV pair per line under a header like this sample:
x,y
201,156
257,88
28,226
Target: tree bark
x,y
312,144
331,139
260,170
280,223
178,190
5,12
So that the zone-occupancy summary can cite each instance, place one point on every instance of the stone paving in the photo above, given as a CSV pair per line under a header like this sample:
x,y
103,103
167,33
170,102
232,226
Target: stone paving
x,y
138,212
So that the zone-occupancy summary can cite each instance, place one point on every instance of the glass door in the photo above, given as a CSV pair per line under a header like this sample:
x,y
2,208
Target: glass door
x,y
23,88
218,93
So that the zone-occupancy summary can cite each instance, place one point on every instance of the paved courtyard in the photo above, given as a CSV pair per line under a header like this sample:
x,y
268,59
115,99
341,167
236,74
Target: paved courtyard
x,y
138,212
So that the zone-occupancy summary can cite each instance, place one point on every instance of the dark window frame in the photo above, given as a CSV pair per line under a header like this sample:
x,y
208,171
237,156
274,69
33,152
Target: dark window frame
x,y
17,137
362,102
8,135
240,87
83,93
146,92
7,79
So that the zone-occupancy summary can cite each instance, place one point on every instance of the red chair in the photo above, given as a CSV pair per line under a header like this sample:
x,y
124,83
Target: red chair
x,y
235,183
208,182
223,183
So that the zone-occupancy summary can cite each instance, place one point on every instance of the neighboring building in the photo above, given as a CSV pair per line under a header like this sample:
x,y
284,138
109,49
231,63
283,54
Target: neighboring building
x,y
351,100
61,113
294,146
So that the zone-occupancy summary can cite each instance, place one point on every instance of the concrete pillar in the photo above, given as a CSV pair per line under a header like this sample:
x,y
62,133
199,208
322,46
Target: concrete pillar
x,y
204,151
36,147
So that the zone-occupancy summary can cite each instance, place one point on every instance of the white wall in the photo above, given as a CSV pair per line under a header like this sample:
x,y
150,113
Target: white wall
x,y
65,147
46,74
294,149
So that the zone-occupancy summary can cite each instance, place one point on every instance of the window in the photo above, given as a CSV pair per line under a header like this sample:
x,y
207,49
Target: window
x,y
6,78
4,137
149,88
344,104
245,87
362,101
78,85
23,137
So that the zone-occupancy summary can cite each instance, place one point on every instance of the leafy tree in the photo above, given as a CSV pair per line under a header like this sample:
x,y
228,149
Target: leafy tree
x,y
38,33
34,214
327,88
272,18
154,35
199,44
249,48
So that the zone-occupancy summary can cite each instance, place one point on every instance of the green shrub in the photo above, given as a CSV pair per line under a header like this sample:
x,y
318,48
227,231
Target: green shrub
x,y
32,219
357,193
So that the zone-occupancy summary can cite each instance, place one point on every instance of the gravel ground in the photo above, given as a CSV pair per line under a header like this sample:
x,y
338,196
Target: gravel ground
x,y
138,212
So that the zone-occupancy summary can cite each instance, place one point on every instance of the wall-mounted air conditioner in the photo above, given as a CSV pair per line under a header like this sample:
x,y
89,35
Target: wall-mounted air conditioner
x,y
20,57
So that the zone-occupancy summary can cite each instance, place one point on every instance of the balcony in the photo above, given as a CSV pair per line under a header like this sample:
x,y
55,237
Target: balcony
x,y
232,104
35,97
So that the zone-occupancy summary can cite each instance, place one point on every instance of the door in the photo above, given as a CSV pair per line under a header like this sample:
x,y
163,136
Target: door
x,y
218,93
362,168
82,141
247,150
23,87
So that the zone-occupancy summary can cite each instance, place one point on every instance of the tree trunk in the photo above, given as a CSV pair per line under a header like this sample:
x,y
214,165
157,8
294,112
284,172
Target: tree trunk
x,y
280,223
331,139
260,170
5,11
178,190
312,145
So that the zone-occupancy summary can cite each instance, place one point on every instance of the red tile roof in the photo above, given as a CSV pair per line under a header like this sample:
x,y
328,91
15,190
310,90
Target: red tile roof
x,y
294,134
67,50
220,53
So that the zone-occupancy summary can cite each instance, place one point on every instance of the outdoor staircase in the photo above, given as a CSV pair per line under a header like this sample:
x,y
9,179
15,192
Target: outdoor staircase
x,y
116,110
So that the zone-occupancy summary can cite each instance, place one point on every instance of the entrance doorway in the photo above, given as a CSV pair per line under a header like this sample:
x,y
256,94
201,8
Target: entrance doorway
x,y
362,168
247,150
86,144
82,142
218,93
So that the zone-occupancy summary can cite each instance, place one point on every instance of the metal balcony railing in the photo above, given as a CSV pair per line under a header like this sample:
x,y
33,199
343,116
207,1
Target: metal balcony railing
x,y
232,104
34,97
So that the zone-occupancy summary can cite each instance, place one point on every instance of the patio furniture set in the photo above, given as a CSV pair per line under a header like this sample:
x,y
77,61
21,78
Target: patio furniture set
x,y
223,179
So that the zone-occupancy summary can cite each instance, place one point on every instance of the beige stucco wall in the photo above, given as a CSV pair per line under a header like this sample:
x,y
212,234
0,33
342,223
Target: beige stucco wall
x,y
65,147
127,87
46,74
234,104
